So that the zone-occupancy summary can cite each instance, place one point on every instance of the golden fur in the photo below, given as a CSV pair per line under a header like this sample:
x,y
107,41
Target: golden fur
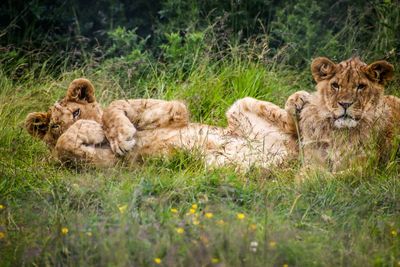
x,y
336,123
343,119
339,121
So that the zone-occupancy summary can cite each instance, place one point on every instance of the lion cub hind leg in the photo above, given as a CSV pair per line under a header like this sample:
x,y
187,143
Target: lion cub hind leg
x,y
296,102
118,128
251,117
121,117
85,142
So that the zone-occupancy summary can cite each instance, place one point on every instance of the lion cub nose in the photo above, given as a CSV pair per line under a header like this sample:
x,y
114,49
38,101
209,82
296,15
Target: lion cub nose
x,y
345,105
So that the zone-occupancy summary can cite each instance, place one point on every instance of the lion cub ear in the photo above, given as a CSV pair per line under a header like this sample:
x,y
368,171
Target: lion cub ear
x,y
81,90
322,68
380,71
37,124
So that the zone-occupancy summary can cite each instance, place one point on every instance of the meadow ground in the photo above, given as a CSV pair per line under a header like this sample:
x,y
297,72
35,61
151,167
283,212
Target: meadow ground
x,y
175,212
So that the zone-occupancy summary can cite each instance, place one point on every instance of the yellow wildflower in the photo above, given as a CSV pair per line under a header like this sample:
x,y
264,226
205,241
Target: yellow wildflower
x,y
240,216
220,222
89,234
2,235
2,207
157,261
214,260
253,226
64,230
209,215
194,206
253,246
173,210
180,230
192,211
285,265
272,244
123,208
394,233
196,222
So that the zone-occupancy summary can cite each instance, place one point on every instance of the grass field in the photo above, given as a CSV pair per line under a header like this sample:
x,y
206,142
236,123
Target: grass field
x,y
175,212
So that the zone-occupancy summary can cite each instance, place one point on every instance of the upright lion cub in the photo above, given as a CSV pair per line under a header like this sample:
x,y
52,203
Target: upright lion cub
x,y
340,122
347,114
72,128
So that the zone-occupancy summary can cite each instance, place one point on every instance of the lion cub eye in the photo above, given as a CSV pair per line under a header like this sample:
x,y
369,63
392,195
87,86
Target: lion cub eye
x,y
361,87
335,86
76,113
55,126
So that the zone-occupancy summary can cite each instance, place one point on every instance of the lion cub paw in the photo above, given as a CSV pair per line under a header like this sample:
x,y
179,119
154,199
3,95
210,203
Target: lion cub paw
x,y
123,140
296,102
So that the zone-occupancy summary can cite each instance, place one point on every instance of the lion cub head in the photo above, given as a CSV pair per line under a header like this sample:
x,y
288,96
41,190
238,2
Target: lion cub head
x,y
79,103
350,92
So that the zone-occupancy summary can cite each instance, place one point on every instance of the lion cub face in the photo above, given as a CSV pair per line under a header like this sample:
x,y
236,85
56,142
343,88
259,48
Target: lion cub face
x,y
79,103
350,91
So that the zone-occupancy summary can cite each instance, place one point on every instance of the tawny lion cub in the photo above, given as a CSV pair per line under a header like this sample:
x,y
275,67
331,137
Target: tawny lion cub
x,y
77,129
349,115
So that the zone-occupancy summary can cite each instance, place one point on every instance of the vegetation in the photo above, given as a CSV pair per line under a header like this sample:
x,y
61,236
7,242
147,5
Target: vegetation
x,y
175,212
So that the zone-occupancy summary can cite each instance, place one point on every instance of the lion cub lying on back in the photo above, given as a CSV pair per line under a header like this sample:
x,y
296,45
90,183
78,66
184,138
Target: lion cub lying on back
x,y
337,123
76,128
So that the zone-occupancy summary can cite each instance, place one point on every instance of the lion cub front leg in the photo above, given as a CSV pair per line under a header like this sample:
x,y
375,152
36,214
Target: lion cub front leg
x,y
249,107
85,141
123,118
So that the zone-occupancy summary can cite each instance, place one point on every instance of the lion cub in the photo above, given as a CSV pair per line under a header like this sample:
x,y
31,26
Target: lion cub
x,y
336,124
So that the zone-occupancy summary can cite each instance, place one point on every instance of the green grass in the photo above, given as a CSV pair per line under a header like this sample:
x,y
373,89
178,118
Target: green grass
x,y
122,216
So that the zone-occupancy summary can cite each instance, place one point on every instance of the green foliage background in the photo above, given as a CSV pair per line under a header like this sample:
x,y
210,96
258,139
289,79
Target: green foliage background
x,y
293,31
208,54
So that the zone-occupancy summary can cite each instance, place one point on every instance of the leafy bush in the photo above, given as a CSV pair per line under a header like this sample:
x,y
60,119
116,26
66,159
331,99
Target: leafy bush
x,y
296,30
182,51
